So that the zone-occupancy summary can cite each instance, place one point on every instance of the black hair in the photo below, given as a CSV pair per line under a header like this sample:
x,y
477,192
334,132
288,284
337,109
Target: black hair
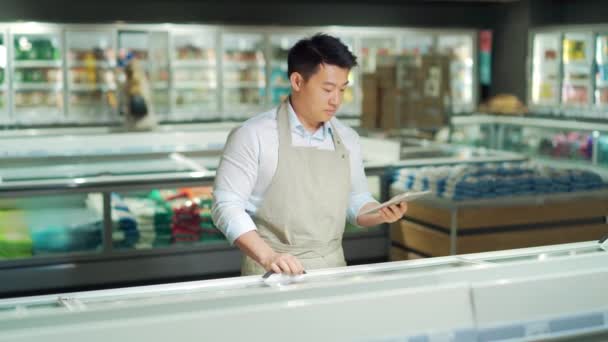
x,y
308,53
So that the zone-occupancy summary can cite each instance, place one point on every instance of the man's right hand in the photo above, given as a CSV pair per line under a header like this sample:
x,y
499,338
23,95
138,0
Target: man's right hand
x,y
256,248
283,263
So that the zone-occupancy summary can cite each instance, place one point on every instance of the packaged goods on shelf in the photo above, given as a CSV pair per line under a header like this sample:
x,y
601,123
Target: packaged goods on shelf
x,y
465,182
574,50
153,221
244,56
51,230
191,52
192,215
64,230
124,223
575,94
497,206
37,98
35,48
15,239
161,218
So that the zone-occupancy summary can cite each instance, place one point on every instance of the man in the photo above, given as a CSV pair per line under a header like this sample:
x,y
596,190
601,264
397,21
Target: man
x,y
289,177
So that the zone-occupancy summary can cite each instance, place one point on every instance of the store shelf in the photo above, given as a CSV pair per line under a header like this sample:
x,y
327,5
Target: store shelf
x,y
91,87
95,64
578,64
37,64
160,85
38,86
577,82
197,110
194,85
245,64
245,85
194,63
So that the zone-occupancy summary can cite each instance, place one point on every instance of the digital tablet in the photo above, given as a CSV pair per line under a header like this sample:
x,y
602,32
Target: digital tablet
x,y
404,197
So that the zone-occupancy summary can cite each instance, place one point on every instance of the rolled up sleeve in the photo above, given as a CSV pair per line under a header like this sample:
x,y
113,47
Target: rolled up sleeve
x,y
234,182
359,195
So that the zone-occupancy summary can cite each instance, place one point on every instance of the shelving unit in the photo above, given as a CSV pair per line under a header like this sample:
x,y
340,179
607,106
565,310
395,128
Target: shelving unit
x,y
200,73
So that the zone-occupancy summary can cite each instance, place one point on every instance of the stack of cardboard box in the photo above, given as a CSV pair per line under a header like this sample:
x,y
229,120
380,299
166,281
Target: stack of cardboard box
x,y
407,92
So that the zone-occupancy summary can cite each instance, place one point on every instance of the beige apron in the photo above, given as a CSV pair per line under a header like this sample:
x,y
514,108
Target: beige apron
x,y
304,209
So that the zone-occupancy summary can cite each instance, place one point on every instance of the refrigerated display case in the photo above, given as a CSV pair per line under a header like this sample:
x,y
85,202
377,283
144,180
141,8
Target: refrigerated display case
x,y
481,297
546,66
37,75
601,74
573,143
195,74
159,71
602,150
577,61
151,48
132,186
92,86
351,98
567,72
69,232
463,78
75,207
243,74
279,80
4,110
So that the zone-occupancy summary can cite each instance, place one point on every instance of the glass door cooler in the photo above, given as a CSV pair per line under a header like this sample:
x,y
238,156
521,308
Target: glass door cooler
x,y
195,76
92,86
37,82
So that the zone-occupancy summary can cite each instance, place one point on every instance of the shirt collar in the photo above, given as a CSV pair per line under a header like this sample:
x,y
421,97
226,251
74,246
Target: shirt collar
x,y
296,126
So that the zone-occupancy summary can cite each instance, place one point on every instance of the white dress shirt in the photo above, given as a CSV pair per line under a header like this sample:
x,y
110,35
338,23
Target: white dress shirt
x,y
250,161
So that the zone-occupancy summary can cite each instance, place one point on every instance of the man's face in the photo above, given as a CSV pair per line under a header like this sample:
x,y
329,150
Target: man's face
x,y
323,92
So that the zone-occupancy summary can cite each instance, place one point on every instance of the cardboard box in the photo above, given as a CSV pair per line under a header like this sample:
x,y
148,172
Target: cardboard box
x,y
427,114
406,92
425,84
387,76
370,105
392,109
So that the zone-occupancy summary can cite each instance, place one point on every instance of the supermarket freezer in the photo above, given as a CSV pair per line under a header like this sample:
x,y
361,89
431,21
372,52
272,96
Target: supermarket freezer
x,y
71,167
55,176
549,293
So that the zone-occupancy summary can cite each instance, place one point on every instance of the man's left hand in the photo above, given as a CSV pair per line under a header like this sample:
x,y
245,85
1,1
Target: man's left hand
x,y
393,213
